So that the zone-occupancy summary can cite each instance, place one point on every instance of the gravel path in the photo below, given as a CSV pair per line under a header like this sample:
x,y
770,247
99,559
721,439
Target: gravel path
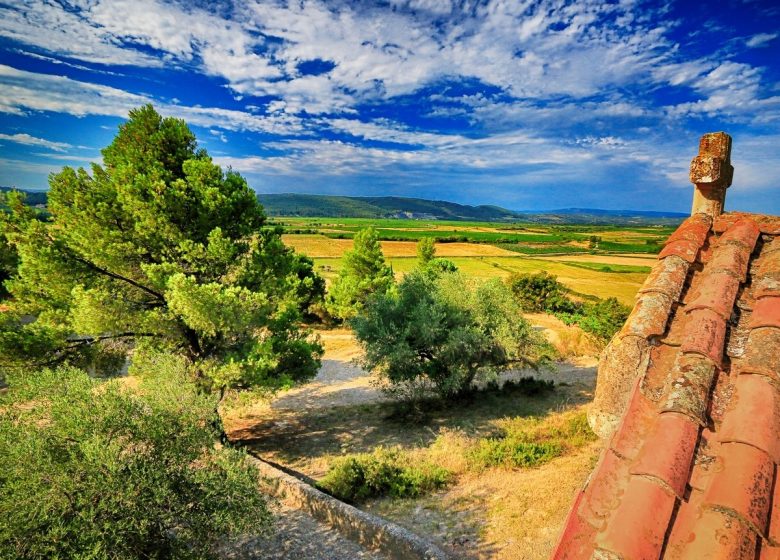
x,y
337,384
298,536
341,383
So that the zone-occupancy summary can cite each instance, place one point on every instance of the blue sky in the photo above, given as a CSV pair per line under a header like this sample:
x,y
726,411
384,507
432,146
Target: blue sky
x,y
528,105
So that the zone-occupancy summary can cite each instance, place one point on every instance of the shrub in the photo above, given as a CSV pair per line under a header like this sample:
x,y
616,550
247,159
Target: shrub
x,y
92,469
541,291
503,452
601,319
385,472
437,334
530,386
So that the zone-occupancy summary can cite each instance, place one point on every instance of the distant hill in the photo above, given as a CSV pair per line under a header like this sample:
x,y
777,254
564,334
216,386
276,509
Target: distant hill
x,y
34,198
313,205
327,206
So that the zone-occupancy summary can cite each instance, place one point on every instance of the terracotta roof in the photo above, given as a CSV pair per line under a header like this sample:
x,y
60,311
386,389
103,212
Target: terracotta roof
x,y
688,396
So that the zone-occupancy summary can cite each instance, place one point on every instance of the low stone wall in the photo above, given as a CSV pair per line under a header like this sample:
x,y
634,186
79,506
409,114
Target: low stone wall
x,y
369,530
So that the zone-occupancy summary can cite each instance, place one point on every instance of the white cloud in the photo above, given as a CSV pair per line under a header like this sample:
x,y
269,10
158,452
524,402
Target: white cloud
x,y
50,26
22,91
531,50
760,40
28,140
219,135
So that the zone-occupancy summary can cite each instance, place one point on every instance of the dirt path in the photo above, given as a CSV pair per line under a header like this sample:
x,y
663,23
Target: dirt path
x,y
297,535
340,382
345,384
337,384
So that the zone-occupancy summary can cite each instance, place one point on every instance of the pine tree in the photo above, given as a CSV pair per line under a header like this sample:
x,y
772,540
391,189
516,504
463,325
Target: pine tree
x,y
426,250
364,273
158,247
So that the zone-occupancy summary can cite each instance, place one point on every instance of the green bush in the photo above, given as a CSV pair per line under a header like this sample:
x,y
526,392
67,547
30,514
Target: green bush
x,y
494,452
94,469
385,472
602,319
541,291
530,442
438,334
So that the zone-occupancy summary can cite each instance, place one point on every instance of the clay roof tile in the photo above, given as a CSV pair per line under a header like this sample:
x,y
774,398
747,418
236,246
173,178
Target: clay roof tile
x,y
766,313
744,485
689,394
638,532
667,454
761,353
754,415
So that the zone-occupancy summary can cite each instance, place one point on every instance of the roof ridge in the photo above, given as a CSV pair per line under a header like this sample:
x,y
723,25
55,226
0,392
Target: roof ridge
x,y
688,397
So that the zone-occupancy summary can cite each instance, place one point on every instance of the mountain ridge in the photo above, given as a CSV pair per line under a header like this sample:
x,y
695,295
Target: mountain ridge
x,y
336,206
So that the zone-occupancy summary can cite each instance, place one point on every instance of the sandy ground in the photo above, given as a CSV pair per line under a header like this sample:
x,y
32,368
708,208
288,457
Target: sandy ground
x,y
340,382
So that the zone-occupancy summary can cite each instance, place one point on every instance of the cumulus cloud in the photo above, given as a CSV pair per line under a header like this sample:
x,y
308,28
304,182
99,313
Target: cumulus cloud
x,y
22,91
531,50
523,85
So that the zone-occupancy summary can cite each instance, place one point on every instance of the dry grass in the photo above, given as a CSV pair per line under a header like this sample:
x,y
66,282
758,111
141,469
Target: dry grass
x,y
497,513
318,245
321,246
524,510
569,340
633,259
339,344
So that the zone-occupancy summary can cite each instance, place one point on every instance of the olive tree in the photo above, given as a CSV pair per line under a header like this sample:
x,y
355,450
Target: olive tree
x,y
438,334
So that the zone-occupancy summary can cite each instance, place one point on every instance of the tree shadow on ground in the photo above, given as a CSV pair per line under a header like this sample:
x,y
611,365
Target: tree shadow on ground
x,y
297,438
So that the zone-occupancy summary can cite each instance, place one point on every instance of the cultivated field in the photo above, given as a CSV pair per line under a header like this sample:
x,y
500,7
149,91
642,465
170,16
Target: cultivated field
x,y
591,260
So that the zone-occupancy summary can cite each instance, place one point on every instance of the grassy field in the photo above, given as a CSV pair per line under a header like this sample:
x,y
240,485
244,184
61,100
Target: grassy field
x,y
519,238
591,260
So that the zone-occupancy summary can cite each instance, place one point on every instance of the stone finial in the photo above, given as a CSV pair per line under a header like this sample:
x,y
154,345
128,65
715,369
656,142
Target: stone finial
x,y
711,173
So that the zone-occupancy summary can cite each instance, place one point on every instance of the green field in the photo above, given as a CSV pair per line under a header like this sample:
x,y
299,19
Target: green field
x,y
613,270
526,239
